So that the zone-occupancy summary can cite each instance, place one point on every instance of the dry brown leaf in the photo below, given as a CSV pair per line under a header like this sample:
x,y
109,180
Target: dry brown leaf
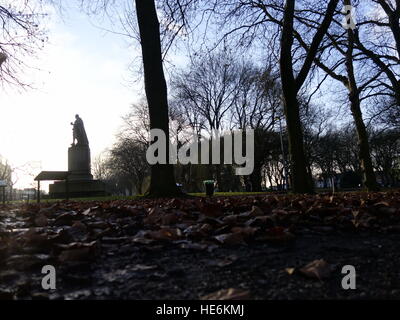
x,y
262,221
245,231
142,240
211,210
205,228
142,267
41,221
278,234
174,203
231,219
77,245
280,212
230,238
228,294
33,237
194,246
166,234
290,271
154,216
256,211
81,254
169,218
222,262
318,269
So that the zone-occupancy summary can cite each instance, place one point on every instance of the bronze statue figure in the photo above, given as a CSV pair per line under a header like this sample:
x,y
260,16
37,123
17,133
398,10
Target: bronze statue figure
x,y
79,133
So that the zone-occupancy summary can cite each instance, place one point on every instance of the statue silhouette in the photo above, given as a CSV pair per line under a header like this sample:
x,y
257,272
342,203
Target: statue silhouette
x,y
79,133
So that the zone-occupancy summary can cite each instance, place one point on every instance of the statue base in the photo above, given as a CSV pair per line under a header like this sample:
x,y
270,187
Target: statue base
x,y
79,163
80,180
77,189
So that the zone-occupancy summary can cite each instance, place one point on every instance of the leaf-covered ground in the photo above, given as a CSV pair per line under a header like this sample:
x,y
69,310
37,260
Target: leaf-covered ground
x,y
255,247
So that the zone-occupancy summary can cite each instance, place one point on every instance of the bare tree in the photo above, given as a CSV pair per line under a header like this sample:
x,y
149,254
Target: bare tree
x,y
101,168
257,105
343,41
5,171
378,38
21,37
369,178
291,85
128,157
136,123
385,150
207,90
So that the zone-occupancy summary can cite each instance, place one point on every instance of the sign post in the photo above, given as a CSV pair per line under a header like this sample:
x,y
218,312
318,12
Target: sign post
x,y
38,192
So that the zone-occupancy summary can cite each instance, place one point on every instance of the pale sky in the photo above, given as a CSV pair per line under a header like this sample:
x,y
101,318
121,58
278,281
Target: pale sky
x,y
84,70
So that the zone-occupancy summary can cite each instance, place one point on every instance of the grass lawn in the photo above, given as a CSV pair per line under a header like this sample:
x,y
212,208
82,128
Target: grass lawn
x,y
197,194
136,197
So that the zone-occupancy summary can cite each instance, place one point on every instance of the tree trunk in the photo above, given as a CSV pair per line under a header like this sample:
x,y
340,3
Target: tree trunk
x,y
301,181
256,179
300,177
162,181
367,170
217,169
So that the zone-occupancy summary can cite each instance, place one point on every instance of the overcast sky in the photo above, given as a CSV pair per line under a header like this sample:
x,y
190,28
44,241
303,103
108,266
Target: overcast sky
x,y
84,70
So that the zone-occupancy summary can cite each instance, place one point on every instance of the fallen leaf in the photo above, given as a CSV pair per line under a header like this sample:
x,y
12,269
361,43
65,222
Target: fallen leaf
x,y
228,294
318,269
142,237
154,216
262,221
169,218
256,211
142,267
66,218
166,234
230,238
81,254
222,262
142,240
277,234
78,232
33,237
77,245
41,221
245,231
211,210
290,271
194,246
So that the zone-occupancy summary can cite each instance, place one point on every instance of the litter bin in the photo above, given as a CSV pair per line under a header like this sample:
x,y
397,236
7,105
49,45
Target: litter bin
x,y
209,185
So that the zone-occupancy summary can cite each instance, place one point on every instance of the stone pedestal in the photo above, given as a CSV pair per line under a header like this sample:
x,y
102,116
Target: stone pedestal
x,y
77,189
79,163
80,180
